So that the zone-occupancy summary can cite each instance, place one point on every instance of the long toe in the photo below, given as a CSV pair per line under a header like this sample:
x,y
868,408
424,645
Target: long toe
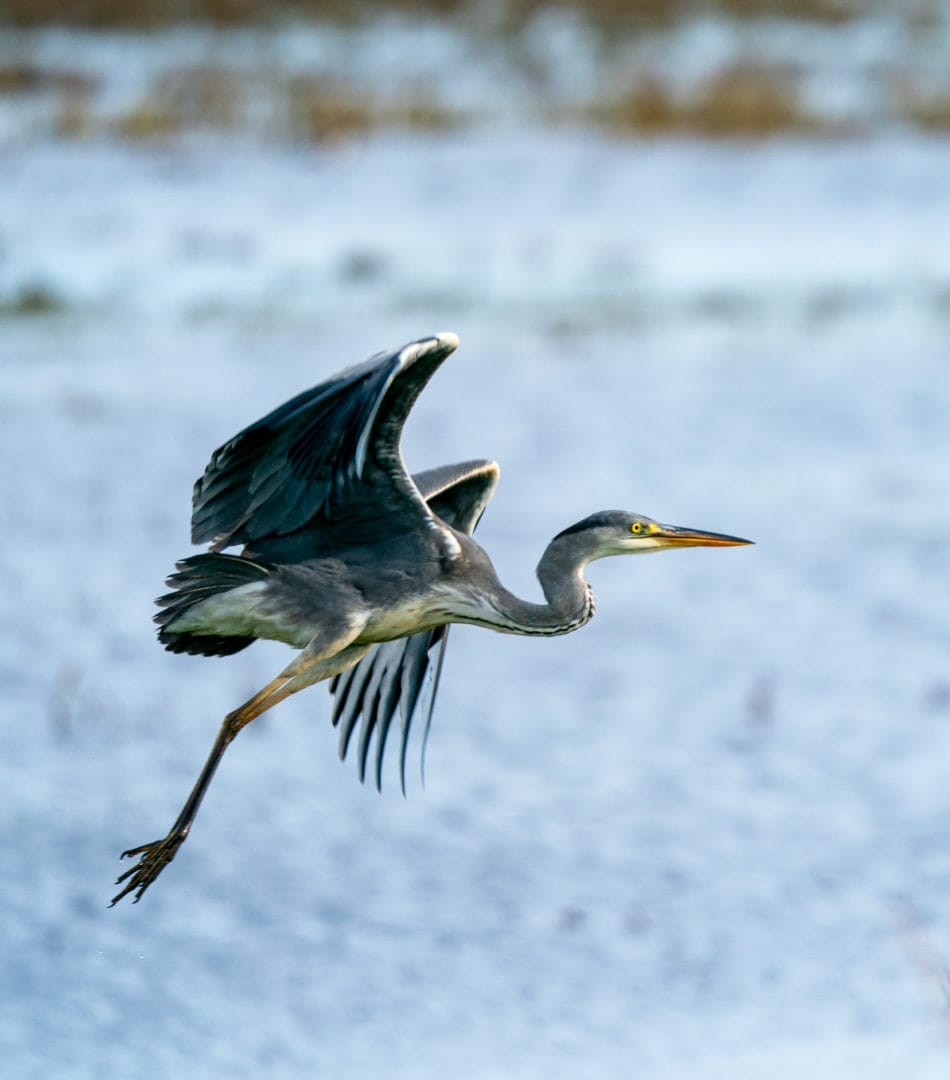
x,y
154,858
136,851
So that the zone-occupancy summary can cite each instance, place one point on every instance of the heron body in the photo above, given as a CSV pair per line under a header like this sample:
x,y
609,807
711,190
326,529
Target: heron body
x,y
358,565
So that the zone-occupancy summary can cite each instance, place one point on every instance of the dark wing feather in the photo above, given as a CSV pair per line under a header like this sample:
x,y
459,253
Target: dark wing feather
x,y
326,453
392,674
459,493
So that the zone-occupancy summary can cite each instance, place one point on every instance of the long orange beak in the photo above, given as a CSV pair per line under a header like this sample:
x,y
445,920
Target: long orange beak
x,y
677,536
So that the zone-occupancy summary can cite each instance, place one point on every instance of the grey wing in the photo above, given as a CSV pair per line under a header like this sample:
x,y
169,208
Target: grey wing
x,y
392,674
331,452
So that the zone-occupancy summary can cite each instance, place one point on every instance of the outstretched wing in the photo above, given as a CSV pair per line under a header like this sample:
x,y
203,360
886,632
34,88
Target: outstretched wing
x,y
332,451
392,674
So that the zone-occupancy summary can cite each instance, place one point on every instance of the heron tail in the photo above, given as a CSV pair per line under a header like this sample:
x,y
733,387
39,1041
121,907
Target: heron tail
x,y
195,580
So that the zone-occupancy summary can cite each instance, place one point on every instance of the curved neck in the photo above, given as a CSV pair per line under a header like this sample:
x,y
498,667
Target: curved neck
x,y
570,600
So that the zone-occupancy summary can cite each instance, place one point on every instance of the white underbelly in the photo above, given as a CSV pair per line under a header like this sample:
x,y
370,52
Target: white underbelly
x,y
410,618
245,611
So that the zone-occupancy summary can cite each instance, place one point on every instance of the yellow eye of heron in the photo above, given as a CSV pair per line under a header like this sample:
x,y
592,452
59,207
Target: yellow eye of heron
x,y
636,527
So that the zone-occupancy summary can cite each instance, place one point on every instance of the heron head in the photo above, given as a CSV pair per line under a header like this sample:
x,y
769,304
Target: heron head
x,y
616,532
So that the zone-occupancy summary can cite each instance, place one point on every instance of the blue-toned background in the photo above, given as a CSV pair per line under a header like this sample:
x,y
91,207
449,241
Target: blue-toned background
x,y
700,269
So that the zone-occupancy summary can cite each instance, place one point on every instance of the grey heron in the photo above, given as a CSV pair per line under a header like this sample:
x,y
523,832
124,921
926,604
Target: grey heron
x,y
357,564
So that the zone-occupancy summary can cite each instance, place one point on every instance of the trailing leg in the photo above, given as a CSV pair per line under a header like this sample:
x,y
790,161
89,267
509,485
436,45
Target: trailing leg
x,y
314,664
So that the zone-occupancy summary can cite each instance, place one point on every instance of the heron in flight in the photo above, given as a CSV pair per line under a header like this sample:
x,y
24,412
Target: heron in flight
x,y
359,565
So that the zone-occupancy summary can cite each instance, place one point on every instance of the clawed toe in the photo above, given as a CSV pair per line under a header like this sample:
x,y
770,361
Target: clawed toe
x,y
154,858
137,851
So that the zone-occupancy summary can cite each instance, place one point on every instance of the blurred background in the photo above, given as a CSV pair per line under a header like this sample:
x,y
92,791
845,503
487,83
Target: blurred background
x,y
698,254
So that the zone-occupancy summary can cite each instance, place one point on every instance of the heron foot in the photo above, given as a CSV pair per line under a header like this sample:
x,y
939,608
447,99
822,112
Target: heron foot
x,y
154,858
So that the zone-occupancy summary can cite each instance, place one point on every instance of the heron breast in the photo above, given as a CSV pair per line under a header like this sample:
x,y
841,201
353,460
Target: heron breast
x,y
402,620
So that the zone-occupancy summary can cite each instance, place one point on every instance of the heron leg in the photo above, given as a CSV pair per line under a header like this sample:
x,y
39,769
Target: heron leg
x,y
312,665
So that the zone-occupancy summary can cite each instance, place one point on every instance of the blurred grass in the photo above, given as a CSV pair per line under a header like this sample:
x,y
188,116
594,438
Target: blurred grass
x,y
320,110
141,14
743,100
922,106
31,300
309,109
766,83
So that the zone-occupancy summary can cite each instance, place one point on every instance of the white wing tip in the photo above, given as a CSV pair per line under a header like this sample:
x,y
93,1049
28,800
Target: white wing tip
x,y
448,340
445,343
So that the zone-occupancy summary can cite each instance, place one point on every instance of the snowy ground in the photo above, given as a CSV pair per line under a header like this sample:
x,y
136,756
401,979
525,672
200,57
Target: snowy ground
x,y
706,837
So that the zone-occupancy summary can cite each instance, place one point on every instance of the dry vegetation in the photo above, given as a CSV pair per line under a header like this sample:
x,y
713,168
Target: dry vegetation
x,y
741,101
319,111
304,108
746,98
921,105
151,13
